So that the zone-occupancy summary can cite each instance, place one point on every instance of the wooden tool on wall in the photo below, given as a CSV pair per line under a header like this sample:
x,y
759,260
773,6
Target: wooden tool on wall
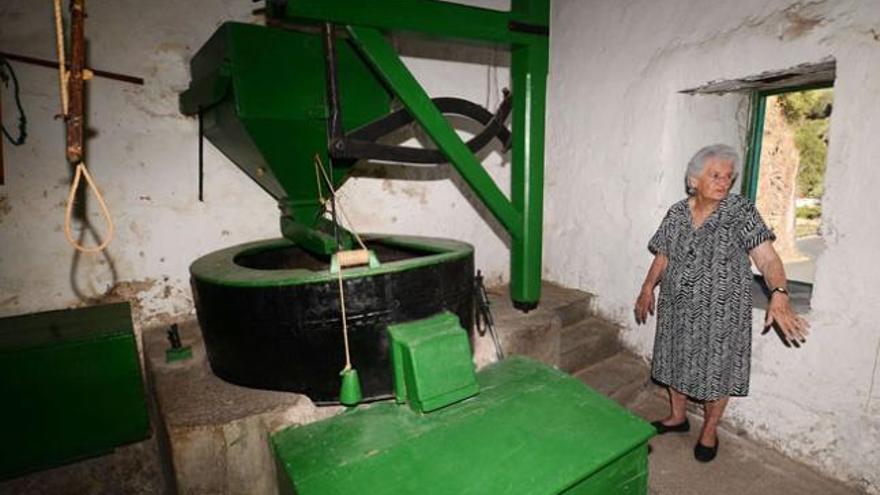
x,y
72,106
75,86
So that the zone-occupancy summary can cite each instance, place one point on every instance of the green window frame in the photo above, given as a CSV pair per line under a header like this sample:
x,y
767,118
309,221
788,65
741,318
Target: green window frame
x,y
758,104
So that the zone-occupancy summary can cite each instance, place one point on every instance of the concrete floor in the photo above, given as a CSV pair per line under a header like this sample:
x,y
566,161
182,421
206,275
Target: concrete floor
x,y
742,467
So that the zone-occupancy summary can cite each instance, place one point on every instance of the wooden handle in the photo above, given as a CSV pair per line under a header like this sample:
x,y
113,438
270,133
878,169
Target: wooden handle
x,y
75,90
353,258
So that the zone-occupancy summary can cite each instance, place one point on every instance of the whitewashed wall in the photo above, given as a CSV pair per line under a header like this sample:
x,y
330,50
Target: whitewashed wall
x,y
143,154
619,137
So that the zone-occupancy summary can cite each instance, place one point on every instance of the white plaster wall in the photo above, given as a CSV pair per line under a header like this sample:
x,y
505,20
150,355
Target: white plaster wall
x,y
619,136
143,155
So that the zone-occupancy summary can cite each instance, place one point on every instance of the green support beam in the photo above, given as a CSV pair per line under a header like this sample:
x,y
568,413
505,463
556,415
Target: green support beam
x,y
529,73
443,19
522,216
381,55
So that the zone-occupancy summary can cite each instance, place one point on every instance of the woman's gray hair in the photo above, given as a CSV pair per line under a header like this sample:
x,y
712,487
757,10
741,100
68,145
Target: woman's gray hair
x,y
698,162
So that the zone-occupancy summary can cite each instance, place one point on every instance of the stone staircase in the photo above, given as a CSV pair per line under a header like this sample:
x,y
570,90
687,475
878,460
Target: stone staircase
x,y
565,332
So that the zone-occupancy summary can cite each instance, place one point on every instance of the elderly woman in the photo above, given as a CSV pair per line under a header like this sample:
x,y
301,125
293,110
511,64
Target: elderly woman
x,y
704,316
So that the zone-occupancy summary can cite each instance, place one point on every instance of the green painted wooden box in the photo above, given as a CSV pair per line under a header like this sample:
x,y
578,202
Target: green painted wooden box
x,y
71,388
531,430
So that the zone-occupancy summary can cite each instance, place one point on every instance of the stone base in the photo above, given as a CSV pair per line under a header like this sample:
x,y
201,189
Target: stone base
x,y
215,434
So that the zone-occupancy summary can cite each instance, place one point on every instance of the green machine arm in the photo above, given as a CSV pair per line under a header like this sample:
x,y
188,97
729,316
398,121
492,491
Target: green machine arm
x,y
260,139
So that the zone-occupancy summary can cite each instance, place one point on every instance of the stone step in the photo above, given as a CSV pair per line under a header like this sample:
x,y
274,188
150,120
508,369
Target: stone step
x,y
565,306
538,333
622,377
575,310
586,343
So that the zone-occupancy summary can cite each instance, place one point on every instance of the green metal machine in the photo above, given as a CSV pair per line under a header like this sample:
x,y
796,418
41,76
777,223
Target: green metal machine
x,y
309,91
296,105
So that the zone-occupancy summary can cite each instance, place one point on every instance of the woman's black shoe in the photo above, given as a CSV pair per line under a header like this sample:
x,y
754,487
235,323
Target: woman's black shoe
x,y
679,428
705,454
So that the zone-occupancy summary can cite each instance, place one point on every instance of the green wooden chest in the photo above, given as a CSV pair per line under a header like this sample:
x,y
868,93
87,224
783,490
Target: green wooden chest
x,y
70,387
531,430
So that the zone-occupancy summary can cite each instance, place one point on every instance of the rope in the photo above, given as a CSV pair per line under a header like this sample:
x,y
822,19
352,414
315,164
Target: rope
x,y
318,181
319,165
339,259
344,322
82,171
22,119
59,47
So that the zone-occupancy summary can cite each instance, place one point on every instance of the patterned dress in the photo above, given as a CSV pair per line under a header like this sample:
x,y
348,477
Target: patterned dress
x,y
704,313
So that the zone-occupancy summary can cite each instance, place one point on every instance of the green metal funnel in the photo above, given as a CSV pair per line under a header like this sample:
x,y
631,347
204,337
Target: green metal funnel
x,y
261,94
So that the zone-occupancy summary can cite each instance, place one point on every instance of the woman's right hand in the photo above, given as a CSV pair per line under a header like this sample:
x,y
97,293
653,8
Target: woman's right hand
x,y
644,305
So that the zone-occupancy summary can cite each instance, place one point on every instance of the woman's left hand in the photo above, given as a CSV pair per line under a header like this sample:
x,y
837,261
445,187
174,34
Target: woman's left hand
x,y
779,312
779,306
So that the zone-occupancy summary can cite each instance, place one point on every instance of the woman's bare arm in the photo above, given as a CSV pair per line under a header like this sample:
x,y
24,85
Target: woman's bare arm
x,y
645,300
779,307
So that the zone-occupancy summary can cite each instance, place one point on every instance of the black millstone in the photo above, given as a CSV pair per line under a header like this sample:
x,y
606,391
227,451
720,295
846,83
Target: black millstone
x,y
289,338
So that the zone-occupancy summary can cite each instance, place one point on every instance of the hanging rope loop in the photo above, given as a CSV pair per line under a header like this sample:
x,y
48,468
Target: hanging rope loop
x,y
83,172
74,154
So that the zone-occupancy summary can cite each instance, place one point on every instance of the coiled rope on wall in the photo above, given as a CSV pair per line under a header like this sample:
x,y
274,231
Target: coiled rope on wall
x,y
8,74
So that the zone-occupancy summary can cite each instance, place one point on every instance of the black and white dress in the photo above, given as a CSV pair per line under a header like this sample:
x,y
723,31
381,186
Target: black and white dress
x,y
704,313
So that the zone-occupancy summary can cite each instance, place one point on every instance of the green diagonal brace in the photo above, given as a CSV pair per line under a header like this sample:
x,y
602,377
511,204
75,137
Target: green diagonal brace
x,y
381,55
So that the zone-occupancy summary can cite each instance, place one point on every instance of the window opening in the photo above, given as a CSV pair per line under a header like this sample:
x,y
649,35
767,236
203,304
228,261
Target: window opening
x,y
785,175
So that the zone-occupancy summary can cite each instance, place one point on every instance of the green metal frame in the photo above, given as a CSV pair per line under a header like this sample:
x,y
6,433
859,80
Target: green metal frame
x,y
261,93
522,215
